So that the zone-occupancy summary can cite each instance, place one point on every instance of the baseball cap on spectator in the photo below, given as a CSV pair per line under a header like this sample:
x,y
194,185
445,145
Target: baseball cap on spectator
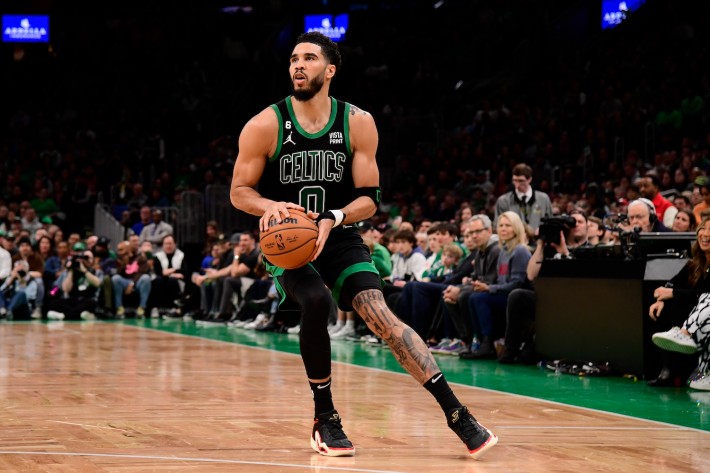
x,y
46,219
79,246
622,202
234,240
2,233
700,181
103,241
24,239
365,226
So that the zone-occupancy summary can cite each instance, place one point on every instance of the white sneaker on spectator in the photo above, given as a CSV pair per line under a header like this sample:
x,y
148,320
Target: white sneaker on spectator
x,y
445,342
701,382
3,311
242,323
37,313
252,325
376,341
296,329
675,340
342,333
54,315
85,315
367,338
335,328
154,313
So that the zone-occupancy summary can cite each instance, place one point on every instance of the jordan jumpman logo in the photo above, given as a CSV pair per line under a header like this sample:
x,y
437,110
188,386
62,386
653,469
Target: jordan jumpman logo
x,y
289,140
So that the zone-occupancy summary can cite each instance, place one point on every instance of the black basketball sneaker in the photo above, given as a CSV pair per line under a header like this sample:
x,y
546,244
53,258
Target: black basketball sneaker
x,y
477,438
328,437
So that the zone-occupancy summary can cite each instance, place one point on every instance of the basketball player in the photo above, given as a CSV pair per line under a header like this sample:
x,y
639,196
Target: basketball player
x,y
311,152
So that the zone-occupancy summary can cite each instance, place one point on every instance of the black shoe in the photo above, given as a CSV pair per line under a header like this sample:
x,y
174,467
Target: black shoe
x,y
172,314
328,437
509,356
665,380
486,351
529,356
477,438
216,320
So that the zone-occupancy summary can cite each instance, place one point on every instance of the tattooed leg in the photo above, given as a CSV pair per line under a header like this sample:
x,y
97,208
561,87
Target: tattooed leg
x,y
409,349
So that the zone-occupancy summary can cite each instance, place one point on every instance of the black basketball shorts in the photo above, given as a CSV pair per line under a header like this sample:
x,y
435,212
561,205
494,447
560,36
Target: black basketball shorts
x,y
344,265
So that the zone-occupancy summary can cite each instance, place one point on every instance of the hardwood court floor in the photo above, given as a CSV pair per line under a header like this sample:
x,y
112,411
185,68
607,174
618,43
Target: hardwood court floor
x,y
100,397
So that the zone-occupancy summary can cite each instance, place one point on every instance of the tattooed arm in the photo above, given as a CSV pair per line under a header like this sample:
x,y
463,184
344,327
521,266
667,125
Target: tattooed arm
x,y
408,347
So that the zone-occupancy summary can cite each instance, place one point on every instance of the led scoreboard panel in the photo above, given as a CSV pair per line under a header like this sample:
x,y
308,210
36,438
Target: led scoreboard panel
x,y
333,28
25,28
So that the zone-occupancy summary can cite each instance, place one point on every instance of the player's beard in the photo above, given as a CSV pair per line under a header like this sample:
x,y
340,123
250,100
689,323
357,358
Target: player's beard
x,y
313,86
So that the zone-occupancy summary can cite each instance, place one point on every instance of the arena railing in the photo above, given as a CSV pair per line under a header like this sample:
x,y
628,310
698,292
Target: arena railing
x,y
105,224
218,207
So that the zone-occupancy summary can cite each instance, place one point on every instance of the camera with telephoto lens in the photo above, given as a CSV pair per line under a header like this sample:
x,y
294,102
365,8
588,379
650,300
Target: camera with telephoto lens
x,y
551,227
78,257
22,273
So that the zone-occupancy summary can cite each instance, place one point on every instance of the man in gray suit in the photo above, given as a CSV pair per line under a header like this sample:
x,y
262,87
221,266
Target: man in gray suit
x,y
531,205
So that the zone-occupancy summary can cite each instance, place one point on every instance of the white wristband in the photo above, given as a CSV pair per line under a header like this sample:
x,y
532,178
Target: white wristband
x,y
339,216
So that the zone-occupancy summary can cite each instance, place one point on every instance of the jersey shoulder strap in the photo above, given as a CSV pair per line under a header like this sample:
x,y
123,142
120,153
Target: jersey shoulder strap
x,y
278,108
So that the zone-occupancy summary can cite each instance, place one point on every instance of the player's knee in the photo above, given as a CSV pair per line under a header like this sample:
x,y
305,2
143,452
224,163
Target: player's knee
x,y
315,301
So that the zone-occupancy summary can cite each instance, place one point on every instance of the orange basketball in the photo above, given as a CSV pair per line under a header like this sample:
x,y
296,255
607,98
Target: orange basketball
x,y
291,243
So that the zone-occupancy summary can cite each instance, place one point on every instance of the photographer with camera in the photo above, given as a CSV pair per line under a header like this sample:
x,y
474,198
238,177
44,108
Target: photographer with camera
x,y
18,292
80,285
557,236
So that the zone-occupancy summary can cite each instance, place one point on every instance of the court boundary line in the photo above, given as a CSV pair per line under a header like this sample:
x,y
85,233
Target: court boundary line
x,y
557,403
205,460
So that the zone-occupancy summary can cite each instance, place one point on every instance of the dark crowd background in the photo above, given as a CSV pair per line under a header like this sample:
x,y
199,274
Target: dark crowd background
x,y
156,93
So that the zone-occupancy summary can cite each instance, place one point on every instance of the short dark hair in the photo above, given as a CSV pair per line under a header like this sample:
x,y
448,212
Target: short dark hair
x,y
580,212
405,235
329,48
169,236
522,169
654,179
450,228
685,198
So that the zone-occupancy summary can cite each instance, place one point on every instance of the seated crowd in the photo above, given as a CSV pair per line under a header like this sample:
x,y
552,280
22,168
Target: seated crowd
x,y
465,286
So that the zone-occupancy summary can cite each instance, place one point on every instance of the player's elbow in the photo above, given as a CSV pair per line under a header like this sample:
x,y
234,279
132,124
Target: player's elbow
x,y
234,197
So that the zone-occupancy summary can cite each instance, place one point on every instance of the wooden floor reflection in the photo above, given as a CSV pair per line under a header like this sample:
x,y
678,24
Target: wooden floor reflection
x,y
99,397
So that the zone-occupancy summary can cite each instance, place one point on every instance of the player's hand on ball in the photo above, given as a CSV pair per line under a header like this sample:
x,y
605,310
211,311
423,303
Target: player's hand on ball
x,y
277,211
324,227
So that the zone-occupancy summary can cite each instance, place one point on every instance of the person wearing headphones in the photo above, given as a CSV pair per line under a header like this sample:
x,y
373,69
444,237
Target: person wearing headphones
x,y
642,214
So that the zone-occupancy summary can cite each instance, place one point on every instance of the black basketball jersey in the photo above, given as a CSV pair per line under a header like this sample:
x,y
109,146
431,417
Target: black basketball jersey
x,y
313,170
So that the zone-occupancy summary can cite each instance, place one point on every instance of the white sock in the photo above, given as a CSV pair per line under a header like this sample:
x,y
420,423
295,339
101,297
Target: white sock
x,y
350,324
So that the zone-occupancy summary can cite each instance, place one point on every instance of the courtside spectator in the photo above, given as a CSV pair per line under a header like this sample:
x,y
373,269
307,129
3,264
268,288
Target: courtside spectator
x,y
684,221
530,205
380,255
157,230
5,262
54,266
80,285
595,231
484,255
642,215
411,262
665,211
170,268
699,208
18,292
419,300
132,272
145,220
488,300
35,265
